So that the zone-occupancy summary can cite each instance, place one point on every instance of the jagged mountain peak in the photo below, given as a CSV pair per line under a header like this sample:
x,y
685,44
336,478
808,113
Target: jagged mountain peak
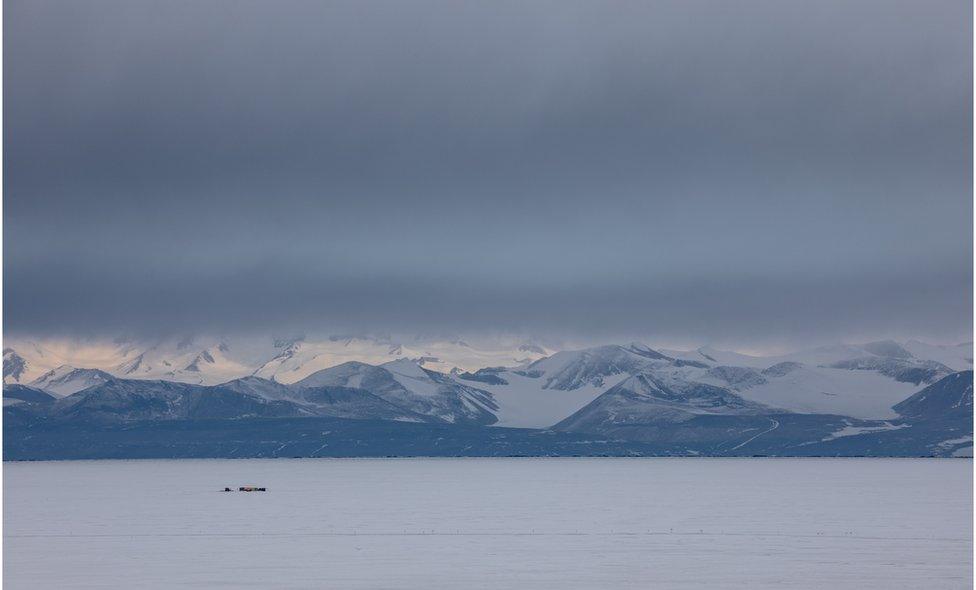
x,y
408,367
66,380
570,370
406,384
645,400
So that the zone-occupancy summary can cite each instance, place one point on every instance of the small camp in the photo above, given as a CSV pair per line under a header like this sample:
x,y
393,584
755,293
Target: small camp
x,y
252,489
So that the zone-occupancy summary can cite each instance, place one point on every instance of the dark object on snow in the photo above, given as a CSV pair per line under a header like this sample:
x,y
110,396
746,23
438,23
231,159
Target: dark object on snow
x,y
251,489
228,490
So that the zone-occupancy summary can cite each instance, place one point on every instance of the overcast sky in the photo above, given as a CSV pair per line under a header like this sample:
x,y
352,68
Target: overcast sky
x,y
750,172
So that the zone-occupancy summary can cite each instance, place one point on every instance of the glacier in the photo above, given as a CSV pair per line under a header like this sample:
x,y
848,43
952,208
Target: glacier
x,y
878,398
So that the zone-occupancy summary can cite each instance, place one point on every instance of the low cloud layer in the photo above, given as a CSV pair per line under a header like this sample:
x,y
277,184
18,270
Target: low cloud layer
x,y
756,172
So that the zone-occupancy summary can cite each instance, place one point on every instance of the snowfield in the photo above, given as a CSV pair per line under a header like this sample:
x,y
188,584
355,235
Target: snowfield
x,y
555,524
817,390
511,383
525,403
211,360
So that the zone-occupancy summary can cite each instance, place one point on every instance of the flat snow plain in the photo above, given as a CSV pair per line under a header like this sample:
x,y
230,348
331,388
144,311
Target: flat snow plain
x,y
490,523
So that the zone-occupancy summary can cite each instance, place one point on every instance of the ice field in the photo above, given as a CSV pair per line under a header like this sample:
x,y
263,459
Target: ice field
x,y
490,523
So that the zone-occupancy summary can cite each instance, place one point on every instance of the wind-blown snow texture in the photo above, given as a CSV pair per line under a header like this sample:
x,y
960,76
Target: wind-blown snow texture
x,y
567,524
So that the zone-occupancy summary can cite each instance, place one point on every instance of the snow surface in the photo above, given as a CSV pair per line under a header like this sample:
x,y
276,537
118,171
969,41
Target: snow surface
x,y
490,524
859,394
213,360
714,356
524,403
66,380
569,379
410,375
957,357
856,430
303,358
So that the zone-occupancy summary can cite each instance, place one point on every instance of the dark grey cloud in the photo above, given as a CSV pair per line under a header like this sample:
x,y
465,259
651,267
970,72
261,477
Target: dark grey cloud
x,y
754,171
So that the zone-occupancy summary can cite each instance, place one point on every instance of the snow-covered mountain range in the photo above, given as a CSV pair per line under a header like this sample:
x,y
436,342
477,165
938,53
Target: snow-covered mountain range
x,y
210,360
626,390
